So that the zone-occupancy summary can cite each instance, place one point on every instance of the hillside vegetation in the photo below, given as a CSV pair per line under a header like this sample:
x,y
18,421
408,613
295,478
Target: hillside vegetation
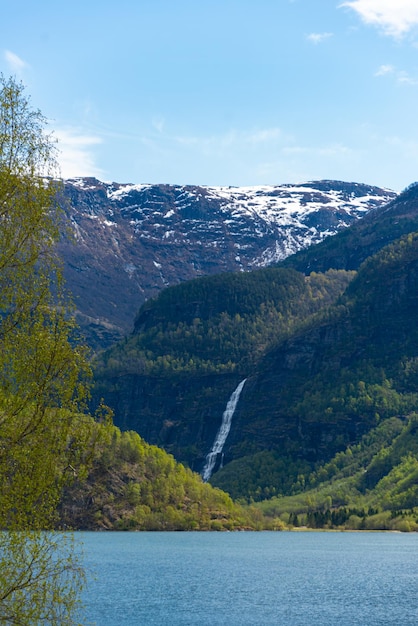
x,y
220,324
370,486
325,387
172,378
131,485
329,358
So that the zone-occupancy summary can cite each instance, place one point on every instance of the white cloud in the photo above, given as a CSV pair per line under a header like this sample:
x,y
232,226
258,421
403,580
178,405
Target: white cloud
x,y
400,75
16,64
317,38
384,70
404,78
76,153
394,17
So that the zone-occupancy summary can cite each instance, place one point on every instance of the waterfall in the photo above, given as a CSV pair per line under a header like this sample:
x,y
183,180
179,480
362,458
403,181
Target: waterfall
x,y
222,433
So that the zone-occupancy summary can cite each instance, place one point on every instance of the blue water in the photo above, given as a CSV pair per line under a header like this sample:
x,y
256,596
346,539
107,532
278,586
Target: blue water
x,y
251,579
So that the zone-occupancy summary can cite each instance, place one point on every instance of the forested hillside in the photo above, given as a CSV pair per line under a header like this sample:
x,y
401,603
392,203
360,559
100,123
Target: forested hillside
x,y
372,485
131,485
326,357
323,388
171,379
222,323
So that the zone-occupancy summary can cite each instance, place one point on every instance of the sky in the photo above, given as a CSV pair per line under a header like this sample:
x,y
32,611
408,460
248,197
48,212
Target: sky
x,y
222,92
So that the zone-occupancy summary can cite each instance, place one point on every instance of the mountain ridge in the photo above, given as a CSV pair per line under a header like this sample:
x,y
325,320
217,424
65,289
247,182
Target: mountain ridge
x,y
349,248
130,241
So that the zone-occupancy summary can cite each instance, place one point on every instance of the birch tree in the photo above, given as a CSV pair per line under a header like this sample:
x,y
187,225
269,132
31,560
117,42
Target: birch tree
x,y
42,375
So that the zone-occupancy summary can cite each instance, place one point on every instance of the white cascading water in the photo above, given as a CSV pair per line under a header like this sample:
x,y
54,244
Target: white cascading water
x,y
222,433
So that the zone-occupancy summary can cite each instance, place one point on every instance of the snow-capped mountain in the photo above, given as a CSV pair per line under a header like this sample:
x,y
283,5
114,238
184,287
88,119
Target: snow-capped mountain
x,y
133,240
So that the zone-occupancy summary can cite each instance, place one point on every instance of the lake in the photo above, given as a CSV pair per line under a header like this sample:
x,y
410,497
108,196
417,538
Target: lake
x,y
251,579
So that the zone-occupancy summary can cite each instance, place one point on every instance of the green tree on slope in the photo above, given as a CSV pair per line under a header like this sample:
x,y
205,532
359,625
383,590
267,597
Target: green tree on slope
x,y
41,375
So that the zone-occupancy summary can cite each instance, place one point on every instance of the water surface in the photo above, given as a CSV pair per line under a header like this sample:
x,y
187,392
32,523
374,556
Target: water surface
x,y
251,579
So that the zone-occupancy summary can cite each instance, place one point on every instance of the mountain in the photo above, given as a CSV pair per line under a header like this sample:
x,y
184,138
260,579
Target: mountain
x,y
127,242
326,358
322,389
350,247
171,379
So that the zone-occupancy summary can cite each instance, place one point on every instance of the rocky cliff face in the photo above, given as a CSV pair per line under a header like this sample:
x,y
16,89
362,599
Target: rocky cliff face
x,y
130,241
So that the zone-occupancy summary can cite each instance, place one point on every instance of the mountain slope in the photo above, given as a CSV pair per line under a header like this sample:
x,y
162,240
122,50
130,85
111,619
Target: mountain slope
x,y
322,389
330,377
131,241
192,345
372,485
131,485
350,247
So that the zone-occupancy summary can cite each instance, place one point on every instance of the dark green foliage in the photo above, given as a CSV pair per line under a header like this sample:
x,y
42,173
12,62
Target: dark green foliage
x,y
356,458
171,380
261,476
373,485
323,388
388,458
220,324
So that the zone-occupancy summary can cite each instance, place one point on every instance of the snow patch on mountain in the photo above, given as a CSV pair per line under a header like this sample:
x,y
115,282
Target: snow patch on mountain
x,y
131,240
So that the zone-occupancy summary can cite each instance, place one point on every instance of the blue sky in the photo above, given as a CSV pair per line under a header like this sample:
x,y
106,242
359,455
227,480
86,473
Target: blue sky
x,y
223,92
